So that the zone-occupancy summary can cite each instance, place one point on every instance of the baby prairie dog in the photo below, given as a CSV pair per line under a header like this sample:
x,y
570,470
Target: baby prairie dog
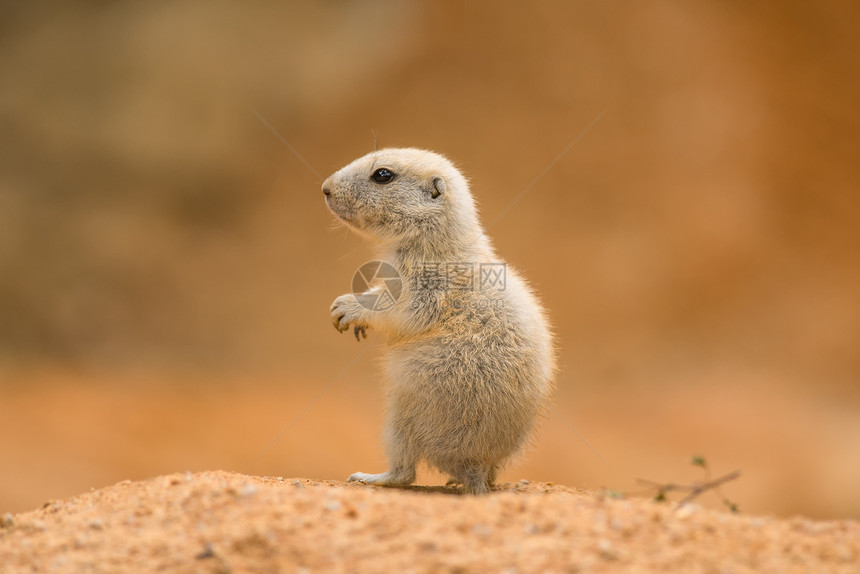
x,y
470,357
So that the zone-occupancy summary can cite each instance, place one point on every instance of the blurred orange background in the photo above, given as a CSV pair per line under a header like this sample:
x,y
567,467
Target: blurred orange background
x,y
167,261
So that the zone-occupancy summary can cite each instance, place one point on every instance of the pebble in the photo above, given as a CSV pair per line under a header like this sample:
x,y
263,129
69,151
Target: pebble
x,y
607,552
248,489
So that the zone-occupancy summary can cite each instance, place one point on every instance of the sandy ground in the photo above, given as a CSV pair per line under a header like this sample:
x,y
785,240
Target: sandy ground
x,y
228,522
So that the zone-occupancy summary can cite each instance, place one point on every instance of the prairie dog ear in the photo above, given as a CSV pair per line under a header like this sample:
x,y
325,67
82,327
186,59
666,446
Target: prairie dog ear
x,y
438,187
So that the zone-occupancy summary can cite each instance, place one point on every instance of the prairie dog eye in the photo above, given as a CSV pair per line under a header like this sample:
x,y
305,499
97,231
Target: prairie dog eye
x,y
382,175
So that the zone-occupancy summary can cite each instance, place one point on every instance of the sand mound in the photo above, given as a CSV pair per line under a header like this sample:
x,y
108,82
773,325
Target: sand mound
x,y
227,522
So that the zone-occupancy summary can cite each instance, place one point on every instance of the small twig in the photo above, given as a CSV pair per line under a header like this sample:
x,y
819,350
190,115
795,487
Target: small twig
x,y
712,484
694,490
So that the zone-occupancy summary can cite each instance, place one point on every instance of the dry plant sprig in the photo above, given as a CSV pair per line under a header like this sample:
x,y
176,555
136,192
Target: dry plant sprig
x,y
696,489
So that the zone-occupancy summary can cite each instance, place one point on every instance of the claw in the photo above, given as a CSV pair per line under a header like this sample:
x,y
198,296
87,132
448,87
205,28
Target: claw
x,y
358,332
335,320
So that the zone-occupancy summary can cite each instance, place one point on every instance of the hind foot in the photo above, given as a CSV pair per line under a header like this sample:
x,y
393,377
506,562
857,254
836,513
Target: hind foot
x,y
476,485
474,480
389,478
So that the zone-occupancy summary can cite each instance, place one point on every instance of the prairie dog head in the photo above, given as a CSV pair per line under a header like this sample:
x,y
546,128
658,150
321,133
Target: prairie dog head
x,y
404,197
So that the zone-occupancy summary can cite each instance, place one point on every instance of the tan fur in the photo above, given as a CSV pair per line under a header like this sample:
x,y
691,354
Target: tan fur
x,y
470,370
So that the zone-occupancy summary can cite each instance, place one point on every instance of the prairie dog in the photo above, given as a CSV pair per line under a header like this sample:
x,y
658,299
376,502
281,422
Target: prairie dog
x,y
470,363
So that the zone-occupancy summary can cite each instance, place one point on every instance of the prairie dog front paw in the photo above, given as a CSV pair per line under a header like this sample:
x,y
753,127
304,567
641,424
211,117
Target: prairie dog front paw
x,y
346,311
